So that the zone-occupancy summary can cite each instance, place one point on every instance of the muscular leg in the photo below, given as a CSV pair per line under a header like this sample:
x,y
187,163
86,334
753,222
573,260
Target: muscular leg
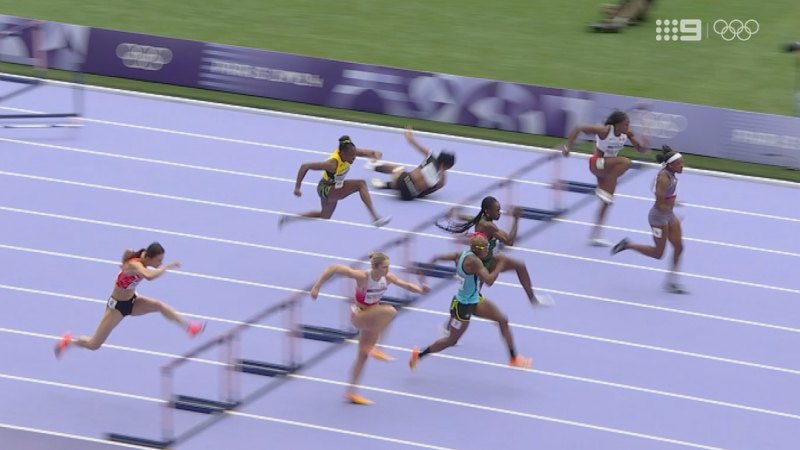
x,y
145,305
488,310
675,236
656,251
351,186
111,318
607,181
455,328
371,323
517,266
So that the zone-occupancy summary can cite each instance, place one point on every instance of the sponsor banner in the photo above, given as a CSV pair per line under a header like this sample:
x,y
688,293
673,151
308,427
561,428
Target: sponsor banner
x,y
709,131
45,44
679,125
144,57
703,130
762,138
385,90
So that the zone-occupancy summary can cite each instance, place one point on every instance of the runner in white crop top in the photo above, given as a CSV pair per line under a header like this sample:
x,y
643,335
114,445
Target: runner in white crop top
x,y
606,164
369,316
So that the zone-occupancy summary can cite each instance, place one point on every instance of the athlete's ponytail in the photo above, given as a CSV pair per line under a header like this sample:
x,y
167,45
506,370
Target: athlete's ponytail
x,y
131,253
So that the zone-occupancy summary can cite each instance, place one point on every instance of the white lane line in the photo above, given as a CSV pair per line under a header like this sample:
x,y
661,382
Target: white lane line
x,y
242,141
389,129
383,391
444,314
362,225
232,413
69,436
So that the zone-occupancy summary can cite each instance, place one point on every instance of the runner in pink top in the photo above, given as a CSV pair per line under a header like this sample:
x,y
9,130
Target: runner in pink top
x,y
369,315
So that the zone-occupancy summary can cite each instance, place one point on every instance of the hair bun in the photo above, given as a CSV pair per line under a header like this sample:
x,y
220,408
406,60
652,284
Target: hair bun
x,y
344,139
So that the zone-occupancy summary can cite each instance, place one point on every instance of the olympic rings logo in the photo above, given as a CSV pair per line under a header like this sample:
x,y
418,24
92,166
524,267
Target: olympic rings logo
x,y
143,57
736,29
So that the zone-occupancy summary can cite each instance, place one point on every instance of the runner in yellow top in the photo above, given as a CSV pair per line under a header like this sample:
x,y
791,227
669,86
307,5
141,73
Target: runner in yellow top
x,y
333,187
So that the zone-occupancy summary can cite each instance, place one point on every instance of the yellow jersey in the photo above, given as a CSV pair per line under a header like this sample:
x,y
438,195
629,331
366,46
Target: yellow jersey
x,y
337,177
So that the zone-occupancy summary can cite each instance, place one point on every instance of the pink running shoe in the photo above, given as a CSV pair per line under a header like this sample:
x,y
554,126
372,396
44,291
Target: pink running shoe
x,y
62,344
412,363
195,328
521,362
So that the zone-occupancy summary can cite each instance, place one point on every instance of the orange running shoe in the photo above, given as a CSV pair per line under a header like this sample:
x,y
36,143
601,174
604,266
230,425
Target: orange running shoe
x,y
358,400
378,354
195,328
412,363
521,362
62,344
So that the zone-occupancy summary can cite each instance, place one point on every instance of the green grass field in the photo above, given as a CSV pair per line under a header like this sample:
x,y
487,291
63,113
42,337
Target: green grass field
x,y
544,43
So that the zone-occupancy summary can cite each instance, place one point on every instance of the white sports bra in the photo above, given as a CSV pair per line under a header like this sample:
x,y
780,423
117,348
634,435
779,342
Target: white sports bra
x,y
612,144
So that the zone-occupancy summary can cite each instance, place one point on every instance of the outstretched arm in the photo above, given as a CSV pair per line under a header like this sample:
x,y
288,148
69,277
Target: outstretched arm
x,y
334,269
329,165
416,288
410,138
446,257
367,153
151,274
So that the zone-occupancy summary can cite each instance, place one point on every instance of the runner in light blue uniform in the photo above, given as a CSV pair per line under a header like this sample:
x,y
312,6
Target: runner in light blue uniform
x,y
468,301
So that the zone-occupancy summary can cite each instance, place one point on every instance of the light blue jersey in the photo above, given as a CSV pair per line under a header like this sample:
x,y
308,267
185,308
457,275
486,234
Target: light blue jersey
x,y
468,291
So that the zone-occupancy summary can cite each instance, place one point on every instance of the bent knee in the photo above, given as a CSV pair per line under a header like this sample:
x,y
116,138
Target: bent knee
x,y
93,345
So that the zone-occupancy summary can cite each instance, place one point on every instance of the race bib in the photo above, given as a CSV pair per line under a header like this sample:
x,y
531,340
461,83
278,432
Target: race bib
x,y
657,232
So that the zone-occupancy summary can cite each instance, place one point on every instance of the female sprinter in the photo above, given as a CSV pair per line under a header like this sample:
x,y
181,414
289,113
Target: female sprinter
x,y
663,222
124,301
605,164
468,301
423,180
333,187
484,223
369,316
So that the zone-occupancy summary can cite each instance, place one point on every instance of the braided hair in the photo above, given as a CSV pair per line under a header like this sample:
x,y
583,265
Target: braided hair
x,y
458,228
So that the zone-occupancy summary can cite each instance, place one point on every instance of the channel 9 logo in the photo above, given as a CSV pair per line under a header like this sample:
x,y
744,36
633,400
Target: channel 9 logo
x,y
691,30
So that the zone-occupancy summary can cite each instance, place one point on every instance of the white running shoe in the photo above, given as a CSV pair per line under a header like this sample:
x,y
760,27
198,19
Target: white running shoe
x,y
377,183
371,164
543,300
675,288
599,242
382,221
